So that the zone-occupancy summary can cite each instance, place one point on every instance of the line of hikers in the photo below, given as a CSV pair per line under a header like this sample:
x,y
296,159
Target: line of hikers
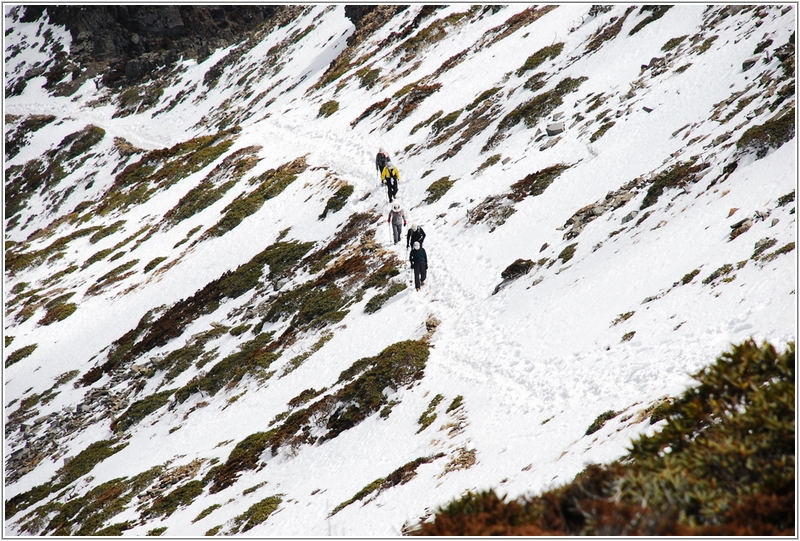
x,y
415,236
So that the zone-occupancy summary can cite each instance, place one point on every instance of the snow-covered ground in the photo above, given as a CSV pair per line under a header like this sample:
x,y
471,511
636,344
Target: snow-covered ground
x,y
535,363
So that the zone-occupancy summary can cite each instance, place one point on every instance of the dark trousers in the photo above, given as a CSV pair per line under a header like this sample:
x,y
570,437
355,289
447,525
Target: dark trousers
x,y
420,272
391,188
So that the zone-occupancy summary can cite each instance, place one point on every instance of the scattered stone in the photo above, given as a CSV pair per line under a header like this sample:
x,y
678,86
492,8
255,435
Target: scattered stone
x,y
740,227
555,128
549,144
749,63
630,216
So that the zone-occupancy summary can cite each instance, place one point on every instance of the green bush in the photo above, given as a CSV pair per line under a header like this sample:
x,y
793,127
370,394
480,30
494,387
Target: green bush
x,y
444,122
601,131
722,465
490,161
141,409
257,513
154,263
541,56
328,108
368,77
252,358
679,174
688,277
17,355
541,105
167,504
672,43
205,512
438,188
338,200
455,404
568,252
786,199
622,317
770,135
361,395
536,183
722,271
377,302
58,312
428,416
598,423
269,185
400,476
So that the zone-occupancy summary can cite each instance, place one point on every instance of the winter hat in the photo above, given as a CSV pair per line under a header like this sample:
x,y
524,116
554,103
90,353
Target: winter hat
x,y
395,207
416,246
414,226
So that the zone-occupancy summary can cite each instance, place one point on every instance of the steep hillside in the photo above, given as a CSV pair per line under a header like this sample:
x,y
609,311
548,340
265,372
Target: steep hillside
x,y
208,329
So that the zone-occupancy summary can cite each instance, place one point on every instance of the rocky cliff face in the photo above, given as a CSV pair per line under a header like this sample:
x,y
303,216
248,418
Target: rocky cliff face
x,y
127,43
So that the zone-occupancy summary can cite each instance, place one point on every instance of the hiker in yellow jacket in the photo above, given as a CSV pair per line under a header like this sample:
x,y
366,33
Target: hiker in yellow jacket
x,y
389,176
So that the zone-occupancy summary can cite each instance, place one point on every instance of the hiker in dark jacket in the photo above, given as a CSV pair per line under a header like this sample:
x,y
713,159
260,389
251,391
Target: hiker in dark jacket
x,y
398,219
390,176
419,262
380,160
415,234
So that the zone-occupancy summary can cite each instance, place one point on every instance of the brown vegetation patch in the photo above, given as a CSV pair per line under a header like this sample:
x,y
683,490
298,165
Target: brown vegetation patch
x,y
514,23
608,32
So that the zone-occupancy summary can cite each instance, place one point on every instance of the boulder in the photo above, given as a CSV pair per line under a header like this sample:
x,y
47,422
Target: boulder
x,y
630,216
549,144
555,128
749,63
741,227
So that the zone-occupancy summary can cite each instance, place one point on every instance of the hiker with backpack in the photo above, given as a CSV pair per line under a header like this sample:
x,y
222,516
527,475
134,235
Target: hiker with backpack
x,y
419,262
380,160
390,176
415,234
398,219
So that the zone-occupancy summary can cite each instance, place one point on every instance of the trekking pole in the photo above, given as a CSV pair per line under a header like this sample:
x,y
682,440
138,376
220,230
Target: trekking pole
x,y
410,272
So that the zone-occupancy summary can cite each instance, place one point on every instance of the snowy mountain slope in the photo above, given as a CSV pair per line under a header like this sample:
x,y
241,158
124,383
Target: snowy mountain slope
x,y
248,391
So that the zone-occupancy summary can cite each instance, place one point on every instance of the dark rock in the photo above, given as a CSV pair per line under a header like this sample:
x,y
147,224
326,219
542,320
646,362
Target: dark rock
x,y
749,63
117,36
354,13
517,268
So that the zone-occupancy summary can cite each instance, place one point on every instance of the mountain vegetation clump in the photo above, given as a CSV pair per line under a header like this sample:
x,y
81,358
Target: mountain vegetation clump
x,y
268,185
42,175
19,137
723,464
162,168
362,393
211,189
400,476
